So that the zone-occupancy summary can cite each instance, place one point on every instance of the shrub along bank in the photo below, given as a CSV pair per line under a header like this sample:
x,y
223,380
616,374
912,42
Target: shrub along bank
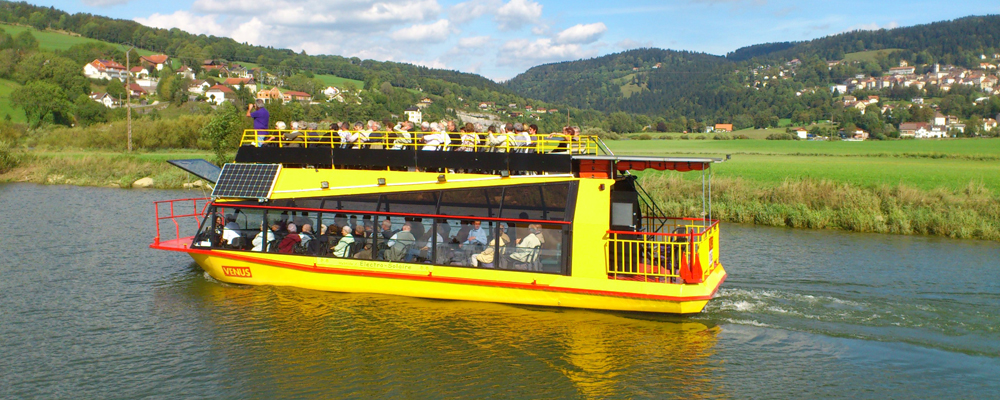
x,y
969,213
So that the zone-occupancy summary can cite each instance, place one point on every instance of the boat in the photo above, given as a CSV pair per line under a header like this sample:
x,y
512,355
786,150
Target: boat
x,y
575,228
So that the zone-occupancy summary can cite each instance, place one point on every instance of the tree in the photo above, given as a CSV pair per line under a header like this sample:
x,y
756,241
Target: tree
x,y
620,122
25,42
224,130
89,112
43,102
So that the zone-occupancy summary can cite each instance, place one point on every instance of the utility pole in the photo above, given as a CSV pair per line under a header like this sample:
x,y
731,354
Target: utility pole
x,y
128,96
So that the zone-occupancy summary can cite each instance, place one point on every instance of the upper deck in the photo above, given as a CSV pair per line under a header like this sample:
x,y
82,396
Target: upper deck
x,y
583,156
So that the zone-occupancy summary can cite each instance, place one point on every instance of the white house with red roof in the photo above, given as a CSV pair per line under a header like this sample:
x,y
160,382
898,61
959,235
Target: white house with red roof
x,y
217,94
104,69
139,72
157,60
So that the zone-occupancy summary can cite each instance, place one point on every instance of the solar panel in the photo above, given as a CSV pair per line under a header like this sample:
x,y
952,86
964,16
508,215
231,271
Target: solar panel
x,y
201,168
248,181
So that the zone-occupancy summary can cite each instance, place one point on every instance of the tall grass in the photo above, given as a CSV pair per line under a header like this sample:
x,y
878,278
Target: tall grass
x,y
972,212
179,133
117,170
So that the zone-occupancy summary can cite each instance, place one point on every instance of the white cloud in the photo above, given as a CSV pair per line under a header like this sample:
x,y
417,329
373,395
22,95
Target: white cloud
x,y
250,31
305,12
464,12
517,13
434,33
474,42
104,3
523,52
582,34
186,21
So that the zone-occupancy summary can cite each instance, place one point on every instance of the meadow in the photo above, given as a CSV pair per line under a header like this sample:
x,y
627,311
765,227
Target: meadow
x,y
52,40
937,187
6,108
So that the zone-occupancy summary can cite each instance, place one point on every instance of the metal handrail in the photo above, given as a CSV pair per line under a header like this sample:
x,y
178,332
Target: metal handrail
x,y
664,257
196,214
396,140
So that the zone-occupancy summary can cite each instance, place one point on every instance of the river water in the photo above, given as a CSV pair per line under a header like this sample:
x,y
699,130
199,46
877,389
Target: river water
x,y
87,311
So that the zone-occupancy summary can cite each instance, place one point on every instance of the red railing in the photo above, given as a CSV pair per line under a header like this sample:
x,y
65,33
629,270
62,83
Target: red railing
x,y
196,214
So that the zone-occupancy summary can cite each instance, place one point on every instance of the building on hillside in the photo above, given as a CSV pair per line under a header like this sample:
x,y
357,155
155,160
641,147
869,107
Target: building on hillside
x,y
137,90
155,61
269,95
802,133
940,119
914,129
139,72
838,89
185,72
909,70
989,124
425,102
723,128
239,83
219,93
209,65
104,69
414,115
198,86
293,95
106,99
330,92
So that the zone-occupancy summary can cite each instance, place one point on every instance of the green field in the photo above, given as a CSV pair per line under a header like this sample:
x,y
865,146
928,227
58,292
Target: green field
x,y
924,164
867,55
49,40
339,82
16,114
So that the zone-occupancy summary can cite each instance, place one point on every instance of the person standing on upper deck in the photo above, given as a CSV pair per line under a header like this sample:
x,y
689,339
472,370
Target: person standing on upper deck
x,y
261,120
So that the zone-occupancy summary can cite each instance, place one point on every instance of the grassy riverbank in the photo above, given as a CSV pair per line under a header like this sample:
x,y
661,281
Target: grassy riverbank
x,y
100,168
944,187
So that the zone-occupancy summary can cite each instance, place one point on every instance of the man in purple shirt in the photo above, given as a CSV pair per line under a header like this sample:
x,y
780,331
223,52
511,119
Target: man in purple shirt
x,y
260,120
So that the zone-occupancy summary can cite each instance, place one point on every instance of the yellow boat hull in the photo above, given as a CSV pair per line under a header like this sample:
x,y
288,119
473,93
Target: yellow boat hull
x,y
453,283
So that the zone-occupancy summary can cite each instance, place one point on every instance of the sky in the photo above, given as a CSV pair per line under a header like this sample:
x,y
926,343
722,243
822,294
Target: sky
x,y
502,38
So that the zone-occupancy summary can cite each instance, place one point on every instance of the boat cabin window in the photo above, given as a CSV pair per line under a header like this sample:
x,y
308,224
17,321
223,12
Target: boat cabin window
x,y
514,228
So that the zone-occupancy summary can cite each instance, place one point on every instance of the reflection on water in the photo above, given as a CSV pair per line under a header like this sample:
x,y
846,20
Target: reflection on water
x,y
95,314
295,341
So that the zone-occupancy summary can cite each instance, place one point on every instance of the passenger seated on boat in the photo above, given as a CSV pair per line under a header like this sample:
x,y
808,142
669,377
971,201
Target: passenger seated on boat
x,y
494,140
387,230
288,243
343,248
259,241
306,235
403,137
362,242
563,137
526,251
320,245
468,138
293,138
486,257
375,135
231,230
400,244
361,135
476,237
432,137
347,138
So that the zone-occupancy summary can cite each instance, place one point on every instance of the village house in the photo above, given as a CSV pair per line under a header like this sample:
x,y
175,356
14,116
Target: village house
x,y
293,95
424,103
185,72
486,104
989,124
155,61
104,69
137,90
198,86
217,94
914,129
414,115
106,99
239,83
802,133
269,95
908,70
331,92
723,128
139,72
